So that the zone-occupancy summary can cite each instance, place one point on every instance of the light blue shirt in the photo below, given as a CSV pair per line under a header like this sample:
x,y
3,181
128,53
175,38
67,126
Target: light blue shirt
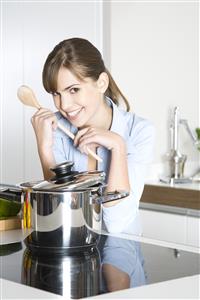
x,y
138,133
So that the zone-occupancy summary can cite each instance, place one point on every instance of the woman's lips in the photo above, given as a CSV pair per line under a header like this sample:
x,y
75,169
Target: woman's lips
x,y
72,115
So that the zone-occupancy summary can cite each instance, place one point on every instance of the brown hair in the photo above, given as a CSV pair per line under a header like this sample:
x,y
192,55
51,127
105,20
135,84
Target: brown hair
x,y
84,60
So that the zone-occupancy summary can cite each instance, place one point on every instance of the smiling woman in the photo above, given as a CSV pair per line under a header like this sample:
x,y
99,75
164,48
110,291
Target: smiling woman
x,y
88,100
80,101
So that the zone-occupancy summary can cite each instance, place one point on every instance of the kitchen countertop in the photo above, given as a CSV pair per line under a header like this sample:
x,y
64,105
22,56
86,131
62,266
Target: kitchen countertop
x,y
170,209
186,196
186,287
194,185
183,288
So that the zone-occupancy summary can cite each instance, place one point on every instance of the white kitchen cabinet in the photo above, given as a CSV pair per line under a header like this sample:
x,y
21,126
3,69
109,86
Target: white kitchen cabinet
x,y
170,227
193,225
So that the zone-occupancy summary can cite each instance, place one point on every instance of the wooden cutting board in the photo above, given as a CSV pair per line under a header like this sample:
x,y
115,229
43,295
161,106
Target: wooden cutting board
x,y
10,223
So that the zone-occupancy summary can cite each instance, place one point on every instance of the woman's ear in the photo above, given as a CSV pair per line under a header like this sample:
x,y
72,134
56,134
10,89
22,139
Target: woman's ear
x,y
103,82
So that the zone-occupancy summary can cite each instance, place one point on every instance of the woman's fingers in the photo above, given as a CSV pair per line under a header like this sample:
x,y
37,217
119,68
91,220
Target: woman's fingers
x,y
88,139
79,134
90,136
41,113
44,116
93,135
105,138
84,148
44,122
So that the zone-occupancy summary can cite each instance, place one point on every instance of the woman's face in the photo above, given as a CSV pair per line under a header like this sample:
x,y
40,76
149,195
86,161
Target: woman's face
x,y
78,101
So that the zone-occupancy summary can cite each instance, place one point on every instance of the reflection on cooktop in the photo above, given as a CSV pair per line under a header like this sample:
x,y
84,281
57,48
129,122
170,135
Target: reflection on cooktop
x,y
74,276
115,264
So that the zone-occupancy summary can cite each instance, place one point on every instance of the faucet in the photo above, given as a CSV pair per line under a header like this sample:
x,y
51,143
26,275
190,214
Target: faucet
x,y
175,158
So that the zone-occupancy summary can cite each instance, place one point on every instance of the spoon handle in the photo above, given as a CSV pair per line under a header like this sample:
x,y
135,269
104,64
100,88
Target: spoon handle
x,y
65,130
71,135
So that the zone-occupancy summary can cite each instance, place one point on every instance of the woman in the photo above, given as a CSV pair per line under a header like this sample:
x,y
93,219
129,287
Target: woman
x,y
88,99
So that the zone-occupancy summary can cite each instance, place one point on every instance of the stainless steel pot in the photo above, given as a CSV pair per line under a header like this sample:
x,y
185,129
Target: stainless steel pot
x,y
68,214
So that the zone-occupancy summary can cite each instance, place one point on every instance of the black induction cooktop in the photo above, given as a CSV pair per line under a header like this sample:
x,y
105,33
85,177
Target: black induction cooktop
x,y
114,264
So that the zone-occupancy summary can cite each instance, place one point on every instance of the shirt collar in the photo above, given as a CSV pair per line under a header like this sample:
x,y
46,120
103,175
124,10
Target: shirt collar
x,y
119,121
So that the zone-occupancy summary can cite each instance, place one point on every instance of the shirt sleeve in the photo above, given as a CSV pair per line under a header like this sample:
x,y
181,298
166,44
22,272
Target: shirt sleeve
x,y
58,149
60,141
140,143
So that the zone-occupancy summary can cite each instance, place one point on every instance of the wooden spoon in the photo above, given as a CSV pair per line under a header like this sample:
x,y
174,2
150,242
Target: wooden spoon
x,y
27,97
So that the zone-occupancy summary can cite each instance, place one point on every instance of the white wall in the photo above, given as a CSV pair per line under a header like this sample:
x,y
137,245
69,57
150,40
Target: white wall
x,y
29,31
154,59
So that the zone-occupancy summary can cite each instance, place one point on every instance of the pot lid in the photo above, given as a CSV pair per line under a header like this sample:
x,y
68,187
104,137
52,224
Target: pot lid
x,y
66,179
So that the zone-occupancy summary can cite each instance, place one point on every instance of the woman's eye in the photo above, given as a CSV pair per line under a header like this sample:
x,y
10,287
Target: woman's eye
x,y
74,90
55,94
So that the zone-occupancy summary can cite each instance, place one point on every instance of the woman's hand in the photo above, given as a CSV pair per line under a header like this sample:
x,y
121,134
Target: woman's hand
x,y
94,137
44,122
118,178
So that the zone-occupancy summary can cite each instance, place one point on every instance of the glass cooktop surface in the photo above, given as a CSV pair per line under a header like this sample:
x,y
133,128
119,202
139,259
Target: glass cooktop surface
x,y
114,264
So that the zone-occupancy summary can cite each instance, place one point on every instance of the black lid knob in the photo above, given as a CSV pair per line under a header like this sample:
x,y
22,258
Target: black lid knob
x,y
63,168
63,172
